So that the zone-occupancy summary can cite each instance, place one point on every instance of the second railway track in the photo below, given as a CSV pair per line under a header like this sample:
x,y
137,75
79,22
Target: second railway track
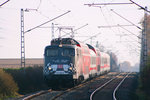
x,y
108,90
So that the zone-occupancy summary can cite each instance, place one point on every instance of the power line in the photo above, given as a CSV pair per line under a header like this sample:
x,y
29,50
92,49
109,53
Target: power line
x,y
130,32
75,30
113,26
105,18
125,19
4,3
122,26
92,36
39,4
93,4
139,6
42,14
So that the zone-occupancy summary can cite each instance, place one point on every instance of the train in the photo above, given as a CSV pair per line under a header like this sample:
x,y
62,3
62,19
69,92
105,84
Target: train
x,y
70,61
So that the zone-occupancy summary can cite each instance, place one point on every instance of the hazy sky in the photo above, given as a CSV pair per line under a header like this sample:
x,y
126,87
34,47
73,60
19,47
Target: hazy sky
x,y
117,39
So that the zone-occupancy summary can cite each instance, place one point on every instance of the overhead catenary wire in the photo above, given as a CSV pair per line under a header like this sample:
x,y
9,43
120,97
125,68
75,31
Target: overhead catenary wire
x,y
113,26
130,32
106,20
75,30
93,4
133,43
125,19
92,36
39,5
37,9
139,6
122,26
4,3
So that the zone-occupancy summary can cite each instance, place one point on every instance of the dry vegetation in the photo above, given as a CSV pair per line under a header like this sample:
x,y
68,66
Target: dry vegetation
x,y
21,81
8,87
144,86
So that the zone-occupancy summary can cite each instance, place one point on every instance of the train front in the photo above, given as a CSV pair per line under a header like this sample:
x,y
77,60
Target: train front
x,y
59,64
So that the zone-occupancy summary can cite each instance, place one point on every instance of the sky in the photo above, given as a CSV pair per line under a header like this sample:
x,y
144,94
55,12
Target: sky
x,y
118,40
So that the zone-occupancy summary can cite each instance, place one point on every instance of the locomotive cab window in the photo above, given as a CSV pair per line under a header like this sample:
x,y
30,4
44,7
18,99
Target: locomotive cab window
x,y
52,52
68,52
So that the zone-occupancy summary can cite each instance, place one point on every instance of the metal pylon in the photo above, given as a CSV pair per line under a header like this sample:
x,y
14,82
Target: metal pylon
x,y
22,40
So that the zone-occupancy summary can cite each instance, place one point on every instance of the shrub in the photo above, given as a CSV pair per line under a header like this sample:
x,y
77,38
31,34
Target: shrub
x,y
145,78
29,79
144,83
7,85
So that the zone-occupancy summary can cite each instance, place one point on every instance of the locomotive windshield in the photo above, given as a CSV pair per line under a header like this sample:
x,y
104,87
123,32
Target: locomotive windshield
x,y
52,52
68,52
60,52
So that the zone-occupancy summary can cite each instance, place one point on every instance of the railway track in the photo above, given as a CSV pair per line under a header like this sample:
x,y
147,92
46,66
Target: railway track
x,y
108,90
88,88
55,94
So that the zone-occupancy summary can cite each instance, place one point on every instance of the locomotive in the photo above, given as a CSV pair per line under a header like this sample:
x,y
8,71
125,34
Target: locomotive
x,y
69,61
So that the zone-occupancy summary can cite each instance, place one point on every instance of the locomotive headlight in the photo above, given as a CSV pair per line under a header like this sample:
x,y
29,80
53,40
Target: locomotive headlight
x,y
70,68
49,68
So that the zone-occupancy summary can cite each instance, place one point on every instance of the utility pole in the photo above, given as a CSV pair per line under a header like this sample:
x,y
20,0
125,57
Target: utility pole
x,y
23,37
144,51
22,40
53,31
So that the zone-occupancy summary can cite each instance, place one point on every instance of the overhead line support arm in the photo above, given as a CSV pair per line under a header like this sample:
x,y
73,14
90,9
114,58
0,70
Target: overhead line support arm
x,y
4,3
46,22
126,19
93,4
140,6
130,32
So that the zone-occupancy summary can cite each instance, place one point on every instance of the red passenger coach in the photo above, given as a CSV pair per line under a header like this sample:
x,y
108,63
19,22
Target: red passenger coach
x,y
93,61
105,63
